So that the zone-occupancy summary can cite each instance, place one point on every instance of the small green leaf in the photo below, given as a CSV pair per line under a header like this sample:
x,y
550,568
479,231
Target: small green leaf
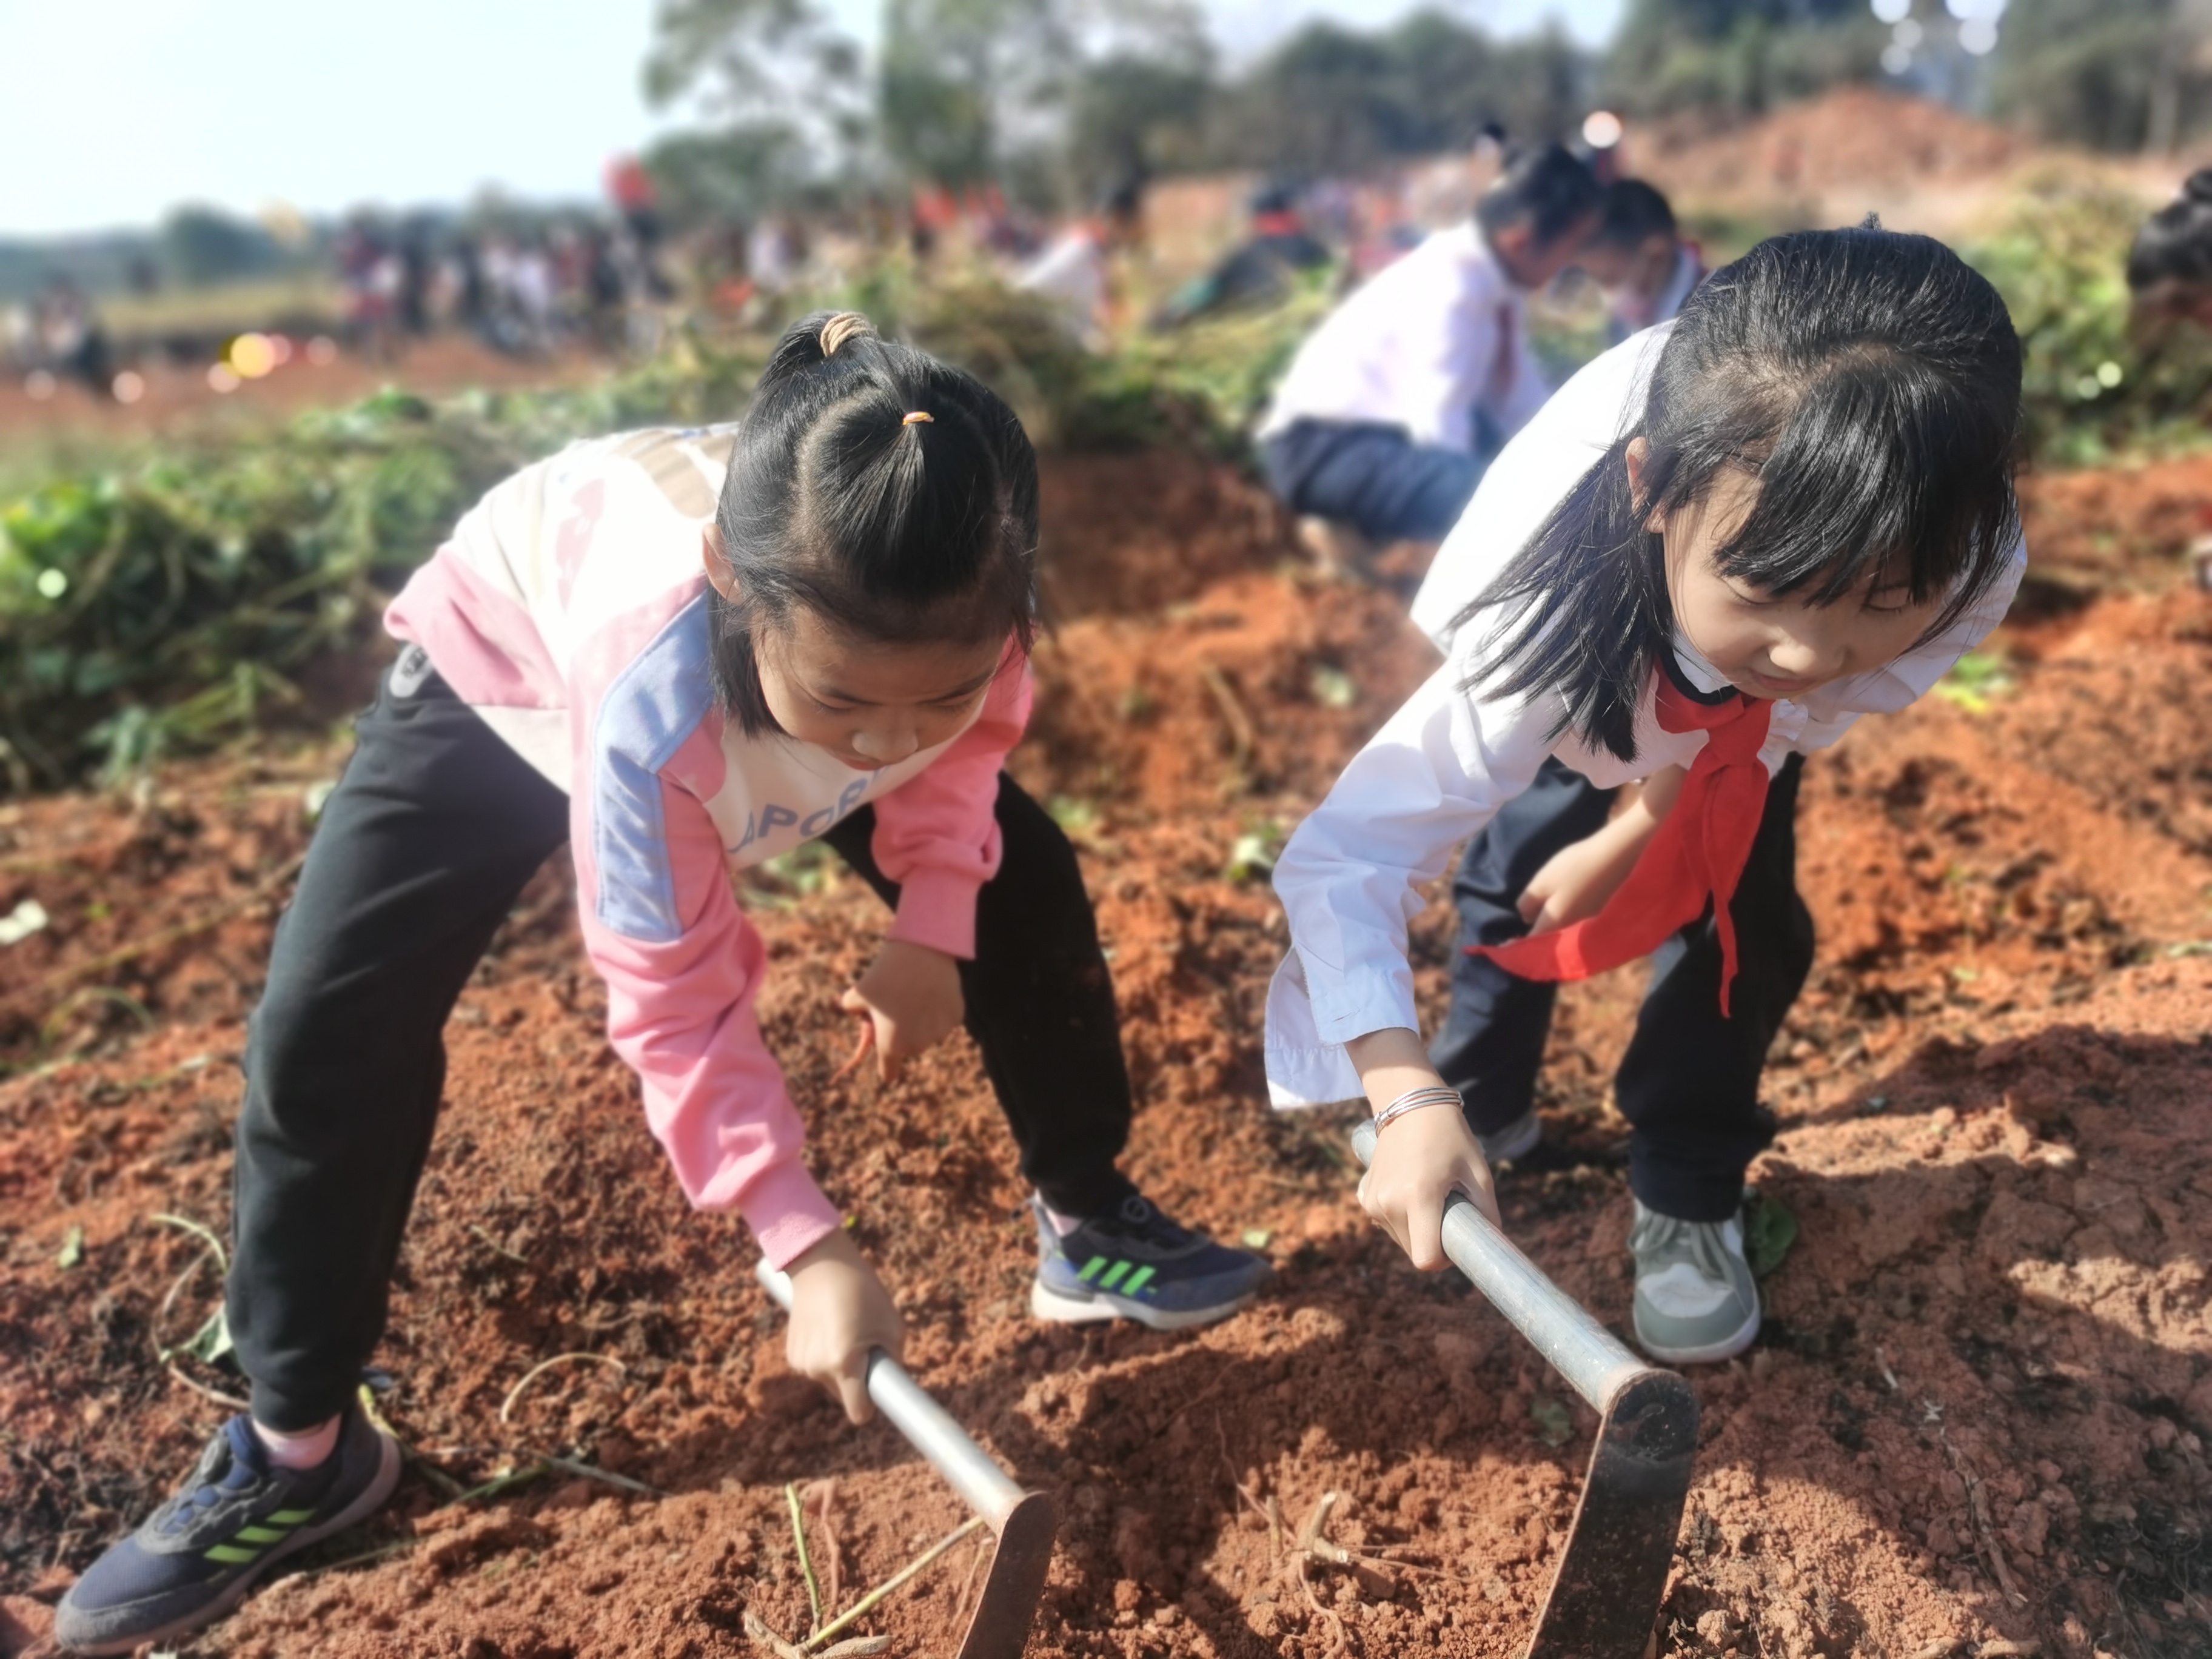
x,y
212,1341
1769,1231
1335,688
1553,1425
1976,681
1252,855
72,1250
1257,1238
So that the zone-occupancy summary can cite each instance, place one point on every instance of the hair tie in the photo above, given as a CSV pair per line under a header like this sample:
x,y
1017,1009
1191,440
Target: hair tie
x,y
841,328
917,416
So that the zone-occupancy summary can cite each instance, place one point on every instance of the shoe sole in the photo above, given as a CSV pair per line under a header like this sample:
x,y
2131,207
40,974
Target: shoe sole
x,y
373,1498
1057,1310
1727,1348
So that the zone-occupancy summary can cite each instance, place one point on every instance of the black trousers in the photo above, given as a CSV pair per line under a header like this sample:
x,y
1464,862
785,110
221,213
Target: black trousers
x,y
1371,477
1689,1084
419,854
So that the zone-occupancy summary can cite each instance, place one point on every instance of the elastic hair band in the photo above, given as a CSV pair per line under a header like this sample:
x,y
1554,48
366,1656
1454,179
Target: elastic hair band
x,y
919,415
841,328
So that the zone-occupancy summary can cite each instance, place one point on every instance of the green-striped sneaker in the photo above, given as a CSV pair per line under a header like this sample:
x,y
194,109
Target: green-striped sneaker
x,y
1134,1263
194,1557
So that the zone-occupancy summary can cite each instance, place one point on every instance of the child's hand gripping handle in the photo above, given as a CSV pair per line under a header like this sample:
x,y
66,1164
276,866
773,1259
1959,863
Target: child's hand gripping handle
x,y
1592,1360
989,1489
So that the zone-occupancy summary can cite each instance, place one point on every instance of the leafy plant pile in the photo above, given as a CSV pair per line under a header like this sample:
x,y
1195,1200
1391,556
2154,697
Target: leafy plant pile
x,y
2094,388
171,602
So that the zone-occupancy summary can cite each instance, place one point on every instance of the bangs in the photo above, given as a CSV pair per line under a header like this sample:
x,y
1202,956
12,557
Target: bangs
x,y
1884,470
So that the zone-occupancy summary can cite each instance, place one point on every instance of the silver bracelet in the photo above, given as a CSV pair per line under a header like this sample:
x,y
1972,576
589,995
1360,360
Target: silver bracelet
x,y
1412,1100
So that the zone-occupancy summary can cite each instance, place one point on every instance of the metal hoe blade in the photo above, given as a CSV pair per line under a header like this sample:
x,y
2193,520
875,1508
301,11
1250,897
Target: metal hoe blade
x,y
1007,1606
1024,1520
1604,1600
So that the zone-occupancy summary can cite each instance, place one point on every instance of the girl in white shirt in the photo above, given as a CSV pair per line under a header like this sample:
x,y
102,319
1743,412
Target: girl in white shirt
x,y
1719,545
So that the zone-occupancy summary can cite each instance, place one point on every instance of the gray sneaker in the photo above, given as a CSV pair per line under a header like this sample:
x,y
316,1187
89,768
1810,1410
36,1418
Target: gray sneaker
x,y
1517,1140
1696,1300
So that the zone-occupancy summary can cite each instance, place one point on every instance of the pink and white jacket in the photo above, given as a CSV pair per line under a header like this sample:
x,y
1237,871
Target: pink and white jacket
x,y
570,610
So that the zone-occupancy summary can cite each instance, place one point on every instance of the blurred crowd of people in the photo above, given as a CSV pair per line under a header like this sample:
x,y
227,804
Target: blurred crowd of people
x,y
58,335
526,290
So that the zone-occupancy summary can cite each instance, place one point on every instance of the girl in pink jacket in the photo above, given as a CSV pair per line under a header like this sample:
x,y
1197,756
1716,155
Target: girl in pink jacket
x,y
676,652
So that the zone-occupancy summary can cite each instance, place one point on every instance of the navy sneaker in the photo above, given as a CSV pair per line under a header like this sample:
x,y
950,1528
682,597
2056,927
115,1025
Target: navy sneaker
x,y
1134,1263
194,1557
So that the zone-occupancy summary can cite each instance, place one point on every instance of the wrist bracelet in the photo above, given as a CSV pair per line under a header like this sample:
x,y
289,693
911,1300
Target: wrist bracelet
x,y
1412,1100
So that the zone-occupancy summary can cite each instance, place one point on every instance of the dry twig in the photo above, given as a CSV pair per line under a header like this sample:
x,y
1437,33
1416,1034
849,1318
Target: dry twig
x,y
592,1472
1232,714
531,1376
874,1598
805,1564
758,1629
1985,1532
833,1550
220,1398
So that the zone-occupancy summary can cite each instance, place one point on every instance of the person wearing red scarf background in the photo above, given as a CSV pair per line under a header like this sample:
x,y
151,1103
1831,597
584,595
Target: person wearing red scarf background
x,y
1716,549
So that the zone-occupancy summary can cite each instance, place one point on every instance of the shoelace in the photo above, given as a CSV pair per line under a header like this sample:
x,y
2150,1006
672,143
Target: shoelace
x,y
1139,1213
1700,1240
238,1474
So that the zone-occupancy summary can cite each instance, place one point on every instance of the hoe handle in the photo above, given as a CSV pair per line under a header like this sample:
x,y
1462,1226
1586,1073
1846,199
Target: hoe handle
x,y
1592,1360
990,1491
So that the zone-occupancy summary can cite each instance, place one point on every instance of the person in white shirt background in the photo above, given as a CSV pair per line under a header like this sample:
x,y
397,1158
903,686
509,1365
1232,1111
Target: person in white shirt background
x,y
1076,270
1638,257
1393,409
1718,546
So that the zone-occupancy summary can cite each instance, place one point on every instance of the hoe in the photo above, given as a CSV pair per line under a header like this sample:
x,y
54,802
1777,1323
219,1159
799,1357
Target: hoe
x,y
1023,1521
1605,1601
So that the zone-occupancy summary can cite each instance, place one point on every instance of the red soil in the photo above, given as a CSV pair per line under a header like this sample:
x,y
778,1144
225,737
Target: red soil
x,y
1975,1416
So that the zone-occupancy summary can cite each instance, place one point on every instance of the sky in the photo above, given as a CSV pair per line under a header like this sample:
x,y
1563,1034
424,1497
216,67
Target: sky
x,y
116,111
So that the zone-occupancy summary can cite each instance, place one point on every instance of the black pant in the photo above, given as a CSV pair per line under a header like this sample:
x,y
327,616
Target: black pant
x,y
1374,477
420,853
1689,1083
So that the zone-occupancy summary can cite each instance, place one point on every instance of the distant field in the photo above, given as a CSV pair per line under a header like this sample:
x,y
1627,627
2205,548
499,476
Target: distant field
x,y
232,307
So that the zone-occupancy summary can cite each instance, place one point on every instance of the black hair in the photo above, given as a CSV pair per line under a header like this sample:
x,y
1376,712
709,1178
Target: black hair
x,y
1869,378
1123,198
2175,244
1632,214
894,497
1544,187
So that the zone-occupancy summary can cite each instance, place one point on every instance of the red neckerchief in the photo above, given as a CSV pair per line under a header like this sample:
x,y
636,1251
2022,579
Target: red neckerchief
x,y
1698,853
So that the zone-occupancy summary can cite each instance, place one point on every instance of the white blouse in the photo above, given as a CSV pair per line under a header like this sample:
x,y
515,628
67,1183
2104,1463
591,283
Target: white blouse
x,y
1353,875
1423,344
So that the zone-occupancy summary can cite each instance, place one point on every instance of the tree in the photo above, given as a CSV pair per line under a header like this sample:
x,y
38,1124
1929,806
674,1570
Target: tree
x,y
1131,116
781,84
1331,100
200,244
1738,56
2116,74
738,172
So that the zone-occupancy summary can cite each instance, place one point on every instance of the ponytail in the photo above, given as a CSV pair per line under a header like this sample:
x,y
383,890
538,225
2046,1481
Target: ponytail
x,y
892,497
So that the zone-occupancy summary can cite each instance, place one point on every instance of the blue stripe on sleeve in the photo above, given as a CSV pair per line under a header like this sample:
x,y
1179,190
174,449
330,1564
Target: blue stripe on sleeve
x,y
652,706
